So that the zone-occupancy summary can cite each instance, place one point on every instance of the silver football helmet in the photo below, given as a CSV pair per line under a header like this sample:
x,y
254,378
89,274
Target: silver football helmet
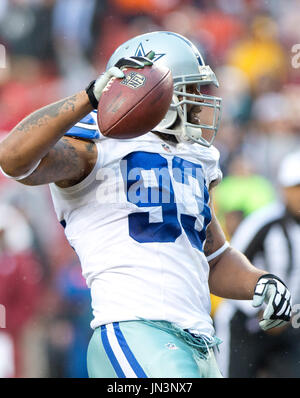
x,y
188,68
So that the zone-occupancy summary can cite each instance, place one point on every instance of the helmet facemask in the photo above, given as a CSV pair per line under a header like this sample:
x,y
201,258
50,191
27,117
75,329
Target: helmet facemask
x,y
178,120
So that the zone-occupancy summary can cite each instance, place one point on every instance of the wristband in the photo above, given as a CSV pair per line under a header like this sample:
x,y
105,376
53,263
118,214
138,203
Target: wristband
x,y
90,92
22,176
218,252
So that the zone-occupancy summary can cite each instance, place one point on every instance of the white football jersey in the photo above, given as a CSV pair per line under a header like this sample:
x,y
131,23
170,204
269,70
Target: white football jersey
x,y
137,223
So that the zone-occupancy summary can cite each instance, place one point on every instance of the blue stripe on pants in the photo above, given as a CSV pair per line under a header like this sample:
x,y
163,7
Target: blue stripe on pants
x,y
110,354
127,352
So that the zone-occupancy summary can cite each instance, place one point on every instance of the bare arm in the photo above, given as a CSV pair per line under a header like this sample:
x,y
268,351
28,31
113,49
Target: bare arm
x,y
66,164
34,137
231,273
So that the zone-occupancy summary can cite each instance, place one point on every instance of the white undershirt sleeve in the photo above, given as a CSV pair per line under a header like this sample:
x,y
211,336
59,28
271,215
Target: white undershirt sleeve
x,y
218,252
24,175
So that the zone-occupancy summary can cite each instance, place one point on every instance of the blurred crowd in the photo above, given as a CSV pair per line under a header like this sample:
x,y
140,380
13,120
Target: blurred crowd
x,y
53,49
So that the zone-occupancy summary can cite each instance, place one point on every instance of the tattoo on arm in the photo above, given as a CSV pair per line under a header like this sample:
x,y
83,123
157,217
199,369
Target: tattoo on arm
x,y
35,136
42,116
209,243
67,158
64,164
90,147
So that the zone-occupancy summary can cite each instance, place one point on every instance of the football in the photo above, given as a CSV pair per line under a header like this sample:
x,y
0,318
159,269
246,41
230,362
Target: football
x,y
134,105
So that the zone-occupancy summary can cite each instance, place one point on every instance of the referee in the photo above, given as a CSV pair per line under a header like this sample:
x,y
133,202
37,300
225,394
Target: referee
x,y
270,238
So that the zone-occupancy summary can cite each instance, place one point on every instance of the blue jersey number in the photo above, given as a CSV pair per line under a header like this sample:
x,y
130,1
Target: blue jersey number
x,y
169,202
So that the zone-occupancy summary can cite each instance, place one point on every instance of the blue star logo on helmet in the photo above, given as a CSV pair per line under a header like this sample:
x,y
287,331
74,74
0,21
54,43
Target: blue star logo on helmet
x,y
140,52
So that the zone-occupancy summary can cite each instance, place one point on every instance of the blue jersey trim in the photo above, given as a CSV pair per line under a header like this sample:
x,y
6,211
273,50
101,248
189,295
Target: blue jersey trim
x,y
63,223
82,132
85,128
88,119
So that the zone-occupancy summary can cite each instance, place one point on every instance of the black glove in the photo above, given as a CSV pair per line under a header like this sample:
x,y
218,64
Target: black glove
x,y
271,290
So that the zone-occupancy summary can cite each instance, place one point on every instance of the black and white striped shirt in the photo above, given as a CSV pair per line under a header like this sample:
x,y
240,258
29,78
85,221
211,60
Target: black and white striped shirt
x,y
270,238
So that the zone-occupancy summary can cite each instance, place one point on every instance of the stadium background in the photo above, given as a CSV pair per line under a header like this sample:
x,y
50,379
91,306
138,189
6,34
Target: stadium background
x,y
53,49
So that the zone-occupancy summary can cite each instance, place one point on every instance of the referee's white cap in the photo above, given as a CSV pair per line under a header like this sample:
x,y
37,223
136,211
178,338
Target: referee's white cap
x,y
289,170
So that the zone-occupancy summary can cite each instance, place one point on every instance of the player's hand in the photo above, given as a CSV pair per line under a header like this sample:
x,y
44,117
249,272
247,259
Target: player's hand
x,y
96,87
272,291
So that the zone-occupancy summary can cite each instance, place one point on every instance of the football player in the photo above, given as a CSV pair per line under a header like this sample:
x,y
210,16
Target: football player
x,y
138,212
